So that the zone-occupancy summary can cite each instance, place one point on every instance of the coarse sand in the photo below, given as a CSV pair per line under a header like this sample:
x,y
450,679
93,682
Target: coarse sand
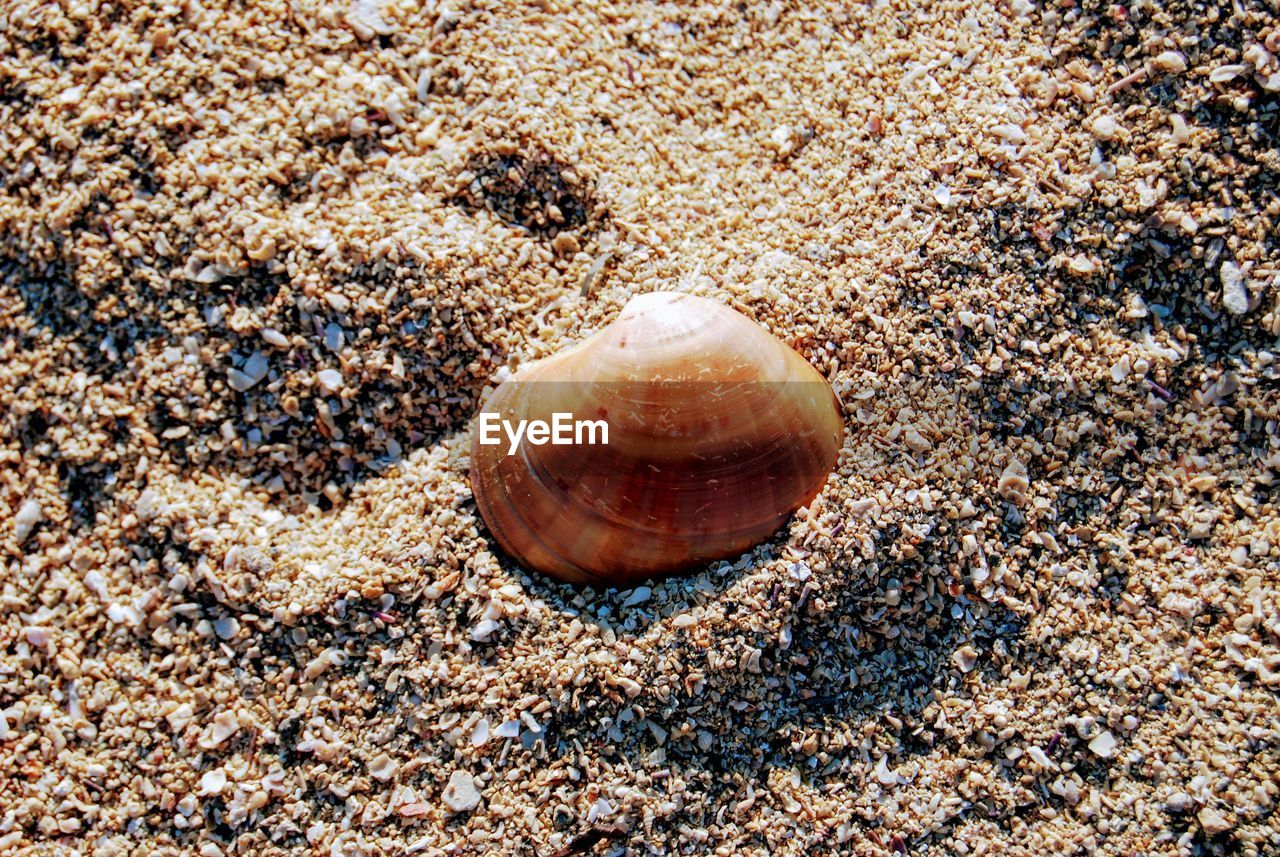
x,y
259,261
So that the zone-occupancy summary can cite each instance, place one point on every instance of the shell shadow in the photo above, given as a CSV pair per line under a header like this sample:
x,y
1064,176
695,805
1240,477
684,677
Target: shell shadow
x,y
732,707
767,667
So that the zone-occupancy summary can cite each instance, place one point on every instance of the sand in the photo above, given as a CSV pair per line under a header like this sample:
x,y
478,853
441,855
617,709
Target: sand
x,y
258,264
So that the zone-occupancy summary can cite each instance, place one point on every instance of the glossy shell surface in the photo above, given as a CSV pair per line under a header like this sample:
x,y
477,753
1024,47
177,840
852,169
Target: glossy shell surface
x,y
718,432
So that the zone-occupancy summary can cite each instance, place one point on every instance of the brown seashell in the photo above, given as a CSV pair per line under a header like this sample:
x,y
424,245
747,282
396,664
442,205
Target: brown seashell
x,y
717,433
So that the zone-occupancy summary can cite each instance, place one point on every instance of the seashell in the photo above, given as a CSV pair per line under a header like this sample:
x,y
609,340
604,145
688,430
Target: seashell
x,y
716,433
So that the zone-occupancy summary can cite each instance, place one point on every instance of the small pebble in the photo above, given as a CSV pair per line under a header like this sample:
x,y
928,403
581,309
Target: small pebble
x,y
1171,61
1105,128
965,659
1213,821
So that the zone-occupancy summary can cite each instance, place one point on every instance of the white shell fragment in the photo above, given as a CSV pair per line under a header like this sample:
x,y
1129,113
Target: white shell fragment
x,y
383,767
638,596
225,724
1171,61
365,17
330,380
509,729
1013,485
213,782
249,375
1235,296
29,514
460,794
1104,745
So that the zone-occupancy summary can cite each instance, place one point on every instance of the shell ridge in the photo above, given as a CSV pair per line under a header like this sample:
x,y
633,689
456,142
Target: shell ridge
x,y
717,435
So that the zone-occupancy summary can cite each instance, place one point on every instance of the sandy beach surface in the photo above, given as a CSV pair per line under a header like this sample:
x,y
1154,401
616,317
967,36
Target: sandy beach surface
x,y
259,261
